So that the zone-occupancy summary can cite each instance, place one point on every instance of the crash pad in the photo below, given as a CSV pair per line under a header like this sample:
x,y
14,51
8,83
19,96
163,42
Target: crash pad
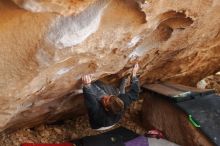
x,y
160,142
138,141
115,137
202,106
32,144
206,113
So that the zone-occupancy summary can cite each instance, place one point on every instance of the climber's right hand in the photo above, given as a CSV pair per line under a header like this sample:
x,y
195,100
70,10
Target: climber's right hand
x,y
86,79
135,70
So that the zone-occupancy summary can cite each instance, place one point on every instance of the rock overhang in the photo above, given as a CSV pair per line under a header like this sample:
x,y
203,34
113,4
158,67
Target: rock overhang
x,y
169,40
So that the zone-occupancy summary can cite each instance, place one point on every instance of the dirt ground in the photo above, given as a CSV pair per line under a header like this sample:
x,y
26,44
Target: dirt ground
x,y
69,129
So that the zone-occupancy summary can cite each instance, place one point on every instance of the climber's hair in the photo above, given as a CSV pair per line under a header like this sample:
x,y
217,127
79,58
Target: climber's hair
x,y
116,105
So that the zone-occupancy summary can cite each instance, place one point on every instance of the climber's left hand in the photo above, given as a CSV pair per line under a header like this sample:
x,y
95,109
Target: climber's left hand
x,y
86,79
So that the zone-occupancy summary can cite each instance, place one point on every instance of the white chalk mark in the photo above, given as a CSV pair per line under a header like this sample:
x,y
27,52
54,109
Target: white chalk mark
x,y
72,30
63,71
33,6
134,41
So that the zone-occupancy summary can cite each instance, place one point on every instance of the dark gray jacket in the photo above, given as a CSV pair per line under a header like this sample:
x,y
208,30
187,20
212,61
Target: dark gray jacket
x,y
98,116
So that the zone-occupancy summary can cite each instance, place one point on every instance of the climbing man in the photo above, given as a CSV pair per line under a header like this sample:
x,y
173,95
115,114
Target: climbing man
x,y
105,103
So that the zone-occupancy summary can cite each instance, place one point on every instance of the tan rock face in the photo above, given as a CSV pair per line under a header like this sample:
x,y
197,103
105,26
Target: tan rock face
x,y
43,55
64,7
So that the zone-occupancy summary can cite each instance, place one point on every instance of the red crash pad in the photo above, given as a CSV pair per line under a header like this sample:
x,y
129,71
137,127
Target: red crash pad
x,y
32,144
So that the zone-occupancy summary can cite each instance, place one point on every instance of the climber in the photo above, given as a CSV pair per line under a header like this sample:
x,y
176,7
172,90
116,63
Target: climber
x,y
105,103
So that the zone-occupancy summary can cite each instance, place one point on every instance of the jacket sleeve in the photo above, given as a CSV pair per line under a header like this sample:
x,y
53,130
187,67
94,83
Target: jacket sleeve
x,y
90,98
135,89
99,92
133,93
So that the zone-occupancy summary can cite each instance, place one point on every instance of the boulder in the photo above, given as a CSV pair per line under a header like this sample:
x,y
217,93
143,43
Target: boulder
x,y
46,46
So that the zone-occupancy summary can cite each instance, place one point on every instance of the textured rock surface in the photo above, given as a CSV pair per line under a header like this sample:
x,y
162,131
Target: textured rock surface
x,y
210,82
43,55
64,7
